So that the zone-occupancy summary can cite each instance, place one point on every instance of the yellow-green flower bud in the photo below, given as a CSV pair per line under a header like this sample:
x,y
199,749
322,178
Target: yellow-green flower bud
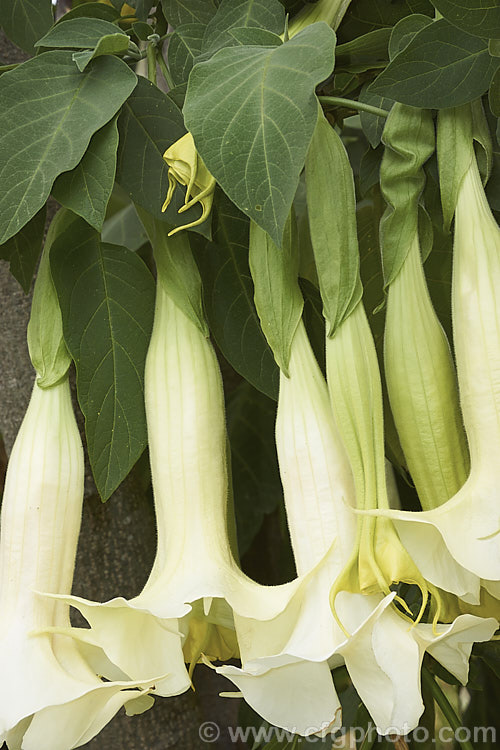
x,y
186,167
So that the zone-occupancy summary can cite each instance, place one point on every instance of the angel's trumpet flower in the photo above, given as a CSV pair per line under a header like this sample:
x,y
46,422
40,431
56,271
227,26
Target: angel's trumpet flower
x,y
419,369
420,374
424,400
186,167
378,558
469,523
50,698
182,612
382,655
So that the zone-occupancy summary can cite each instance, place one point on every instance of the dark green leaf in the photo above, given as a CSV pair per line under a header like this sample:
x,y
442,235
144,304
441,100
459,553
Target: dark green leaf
x,y
256,37
314,320
86,189
368,218
365,52
480,718
438,270
24,20
232,14
493,185
78,33
178,95
43,101
252,112
179,12
228,296
373,126
23,249
124,228
91,10
142,8
490,654
494,94
149,123
369,169
256,480
478,17
441,67
277,296
184,46
111,44
405,30
364,16
106,295
142,30
494,47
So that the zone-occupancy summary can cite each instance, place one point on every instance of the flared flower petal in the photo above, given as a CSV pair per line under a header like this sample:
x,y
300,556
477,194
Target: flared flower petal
x,y
469,523
383,655
186,607
44,674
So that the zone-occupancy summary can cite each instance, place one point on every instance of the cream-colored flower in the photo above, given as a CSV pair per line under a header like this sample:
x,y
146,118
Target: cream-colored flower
x,y
50,698
185,609
469,522
383,656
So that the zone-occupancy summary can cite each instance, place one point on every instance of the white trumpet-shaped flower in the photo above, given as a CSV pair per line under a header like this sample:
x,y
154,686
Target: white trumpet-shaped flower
x,y
469,523
50,698
383,656
184,610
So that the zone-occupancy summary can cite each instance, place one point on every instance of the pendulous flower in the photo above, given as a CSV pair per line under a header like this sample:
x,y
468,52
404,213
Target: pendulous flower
x,y
469,522
50,697
186,167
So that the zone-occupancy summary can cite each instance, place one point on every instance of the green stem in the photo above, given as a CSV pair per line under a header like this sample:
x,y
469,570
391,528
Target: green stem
x,y
5,68
151,55
164,69
445,705
339,101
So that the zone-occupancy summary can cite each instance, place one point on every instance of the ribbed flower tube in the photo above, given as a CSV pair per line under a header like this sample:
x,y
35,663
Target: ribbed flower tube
x,y
50,698
296,650
185,608
378,559
422,386
469,522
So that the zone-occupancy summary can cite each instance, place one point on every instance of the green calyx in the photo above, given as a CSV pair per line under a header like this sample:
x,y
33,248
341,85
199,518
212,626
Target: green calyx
x,y
420,374
379,560
48,352
278,298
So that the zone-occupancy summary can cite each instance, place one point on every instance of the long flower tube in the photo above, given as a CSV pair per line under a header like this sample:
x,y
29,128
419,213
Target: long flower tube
x,y
422,387
419,369
378,558
424,400
184,610
382,655
469,523
50,698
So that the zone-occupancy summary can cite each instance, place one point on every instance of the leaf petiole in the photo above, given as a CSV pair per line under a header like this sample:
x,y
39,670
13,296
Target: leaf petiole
x,y
445,705
339,101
